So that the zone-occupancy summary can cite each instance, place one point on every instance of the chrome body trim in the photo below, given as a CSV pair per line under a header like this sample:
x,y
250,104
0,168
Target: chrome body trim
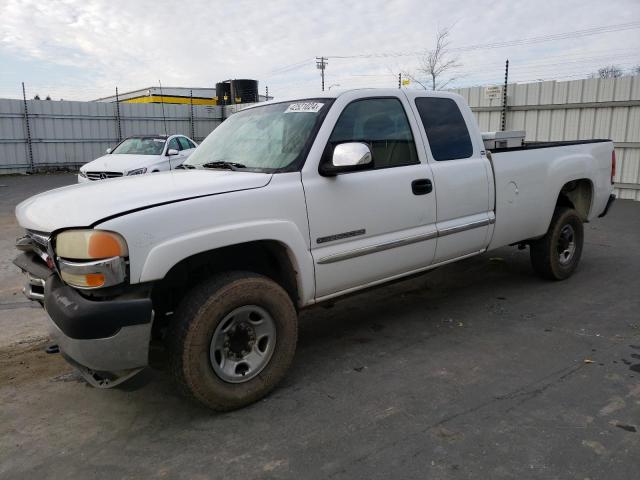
x,y
25,244
338,257
466,226
351,154
378,248
102,175
114,270
34,289
37,242
127,349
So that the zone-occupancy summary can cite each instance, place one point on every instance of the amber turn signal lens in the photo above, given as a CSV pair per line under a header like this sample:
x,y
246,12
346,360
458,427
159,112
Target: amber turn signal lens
x,y
86,280
104,245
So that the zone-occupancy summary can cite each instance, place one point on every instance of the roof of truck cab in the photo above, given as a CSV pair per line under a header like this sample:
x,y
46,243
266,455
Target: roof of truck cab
x,y
333,94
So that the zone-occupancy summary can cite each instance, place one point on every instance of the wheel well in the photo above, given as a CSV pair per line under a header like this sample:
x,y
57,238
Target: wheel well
x,y
577,194
266,257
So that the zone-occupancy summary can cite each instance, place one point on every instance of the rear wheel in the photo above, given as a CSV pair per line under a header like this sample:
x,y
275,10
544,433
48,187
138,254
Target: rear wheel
x,y
556,255
232,339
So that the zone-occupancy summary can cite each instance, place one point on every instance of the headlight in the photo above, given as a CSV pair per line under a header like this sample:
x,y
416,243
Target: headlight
x,y
137,171
82,174
91,258
90,245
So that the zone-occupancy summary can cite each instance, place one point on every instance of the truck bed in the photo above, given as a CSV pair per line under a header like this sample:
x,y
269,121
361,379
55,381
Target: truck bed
x,y
534,145
528,179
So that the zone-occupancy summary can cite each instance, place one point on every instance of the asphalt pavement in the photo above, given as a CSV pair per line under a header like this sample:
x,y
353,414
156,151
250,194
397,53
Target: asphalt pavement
x,y
478,369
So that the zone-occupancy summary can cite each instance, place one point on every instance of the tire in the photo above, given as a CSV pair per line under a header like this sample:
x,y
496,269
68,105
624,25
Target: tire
x,y
556,255
201,353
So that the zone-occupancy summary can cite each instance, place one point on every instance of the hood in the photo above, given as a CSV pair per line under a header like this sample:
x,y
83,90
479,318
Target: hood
x,y
119,163
85,204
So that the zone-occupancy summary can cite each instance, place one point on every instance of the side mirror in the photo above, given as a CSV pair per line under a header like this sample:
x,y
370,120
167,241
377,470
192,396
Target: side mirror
x,y
347,157
171,152
108,151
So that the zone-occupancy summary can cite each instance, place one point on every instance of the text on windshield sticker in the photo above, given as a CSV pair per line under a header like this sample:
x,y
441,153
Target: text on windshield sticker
x,y
304,107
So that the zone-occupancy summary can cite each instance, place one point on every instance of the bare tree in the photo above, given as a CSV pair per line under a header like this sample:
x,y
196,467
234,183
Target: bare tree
x,y
435,64
609,71
635,70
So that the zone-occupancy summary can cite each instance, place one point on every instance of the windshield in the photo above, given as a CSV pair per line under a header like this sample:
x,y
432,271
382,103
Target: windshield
x,y
140,146
263,139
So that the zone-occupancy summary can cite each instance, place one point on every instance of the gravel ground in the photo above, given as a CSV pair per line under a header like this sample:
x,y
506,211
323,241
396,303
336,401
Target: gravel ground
x,y
476,370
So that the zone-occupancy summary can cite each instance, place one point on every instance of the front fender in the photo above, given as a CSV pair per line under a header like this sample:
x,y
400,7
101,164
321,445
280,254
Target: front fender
x,y
163,256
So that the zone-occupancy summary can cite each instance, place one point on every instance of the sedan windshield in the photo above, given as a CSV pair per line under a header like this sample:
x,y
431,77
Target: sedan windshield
x,y
140,146
262,139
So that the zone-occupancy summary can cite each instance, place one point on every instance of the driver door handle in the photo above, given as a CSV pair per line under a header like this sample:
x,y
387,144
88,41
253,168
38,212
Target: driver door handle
x,y
421,186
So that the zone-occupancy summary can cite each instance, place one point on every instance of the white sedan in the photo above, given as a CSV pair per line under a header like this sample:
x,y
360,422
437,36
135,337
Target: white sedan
x,y
138,155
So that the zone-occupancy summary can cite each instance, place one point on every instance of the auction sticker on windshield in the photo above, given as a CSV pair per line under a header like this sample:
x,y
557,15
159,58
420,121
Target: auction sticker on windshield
x,y
304,107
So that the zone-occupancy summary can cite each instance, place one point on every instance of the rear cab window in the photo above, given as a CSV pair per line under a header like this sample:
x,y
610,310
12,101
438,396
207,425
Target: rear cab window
x,y
445,127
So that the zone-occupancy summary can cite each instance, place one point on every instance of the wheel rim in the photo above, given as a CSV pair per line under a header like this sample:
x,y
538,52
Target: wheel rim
x,y
566,245
242,344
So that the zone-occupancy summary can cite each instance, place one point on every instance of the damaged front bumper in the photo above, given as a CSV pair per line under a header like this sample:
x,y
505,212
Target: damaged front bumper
x,y
106,339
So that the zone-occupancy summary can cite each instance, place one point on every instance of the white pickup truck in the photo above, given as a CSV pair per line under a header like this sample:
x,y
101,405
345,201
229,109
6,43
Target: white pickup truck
x,y
285,205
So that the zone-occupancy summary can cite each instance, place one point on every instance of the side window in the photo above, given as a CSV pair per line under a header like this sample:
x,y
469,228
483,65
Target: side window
x,y
173,143
191,144
382,124
184,143
446,130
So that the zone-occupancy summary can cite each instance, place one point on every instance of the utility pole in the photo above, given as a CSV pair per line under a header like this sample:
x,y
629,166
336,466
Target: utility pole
x,y
504,96
118,116
321,63
193,128
28,128
164,118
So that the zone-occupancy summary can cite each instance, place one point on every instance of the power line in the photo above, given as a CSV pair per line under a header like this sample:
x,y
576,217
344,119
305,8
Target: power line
x,y
507,43
292,66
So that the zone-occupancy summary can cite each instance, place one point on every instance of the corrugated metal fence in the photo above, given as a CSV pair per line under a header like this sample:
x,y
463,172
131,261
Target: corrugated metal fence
x,y
574,110
69,134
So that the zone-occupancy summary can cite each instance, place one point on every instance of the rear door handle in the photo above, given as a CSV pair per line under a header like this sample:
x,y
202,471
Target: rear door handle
x,y
421,186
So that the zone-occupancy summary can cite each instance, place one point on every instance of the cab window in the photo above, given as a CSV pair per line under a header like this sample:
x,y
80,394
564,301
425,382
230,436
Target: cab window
x,y
446,129
382,124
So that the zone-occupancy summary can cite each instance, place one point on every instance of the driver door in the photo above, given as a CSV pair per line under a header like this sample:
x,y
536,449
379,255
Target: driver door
x,y
175,160
371,225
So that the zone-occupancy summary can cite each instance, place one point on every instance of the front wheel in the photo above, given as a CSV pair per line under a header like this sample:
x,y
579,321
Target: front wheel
x,y
556,255
232,339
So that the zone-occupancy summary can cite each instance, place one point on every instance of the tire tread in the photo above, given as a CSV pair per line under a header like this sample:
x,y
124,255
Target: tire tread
x,y
186,315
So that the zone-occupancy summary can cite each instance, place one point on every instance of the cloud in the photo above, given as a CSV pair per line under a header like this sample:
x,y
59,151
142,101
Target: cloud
x,y
132,44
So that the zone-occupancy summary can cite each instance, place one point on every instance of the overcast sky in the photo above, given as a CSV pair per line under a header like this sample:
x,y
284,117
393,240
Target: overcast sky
x,y
80,49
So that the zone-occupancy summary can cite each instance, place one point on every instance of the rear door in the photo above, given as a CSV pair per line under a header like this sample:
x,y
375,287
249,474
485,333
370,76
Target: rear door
x,y
370,225
462,176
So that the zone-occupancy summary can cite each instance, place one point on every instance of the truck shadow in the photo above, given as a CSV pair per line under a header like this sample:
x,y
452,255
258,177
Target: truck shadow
x,y
352,332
